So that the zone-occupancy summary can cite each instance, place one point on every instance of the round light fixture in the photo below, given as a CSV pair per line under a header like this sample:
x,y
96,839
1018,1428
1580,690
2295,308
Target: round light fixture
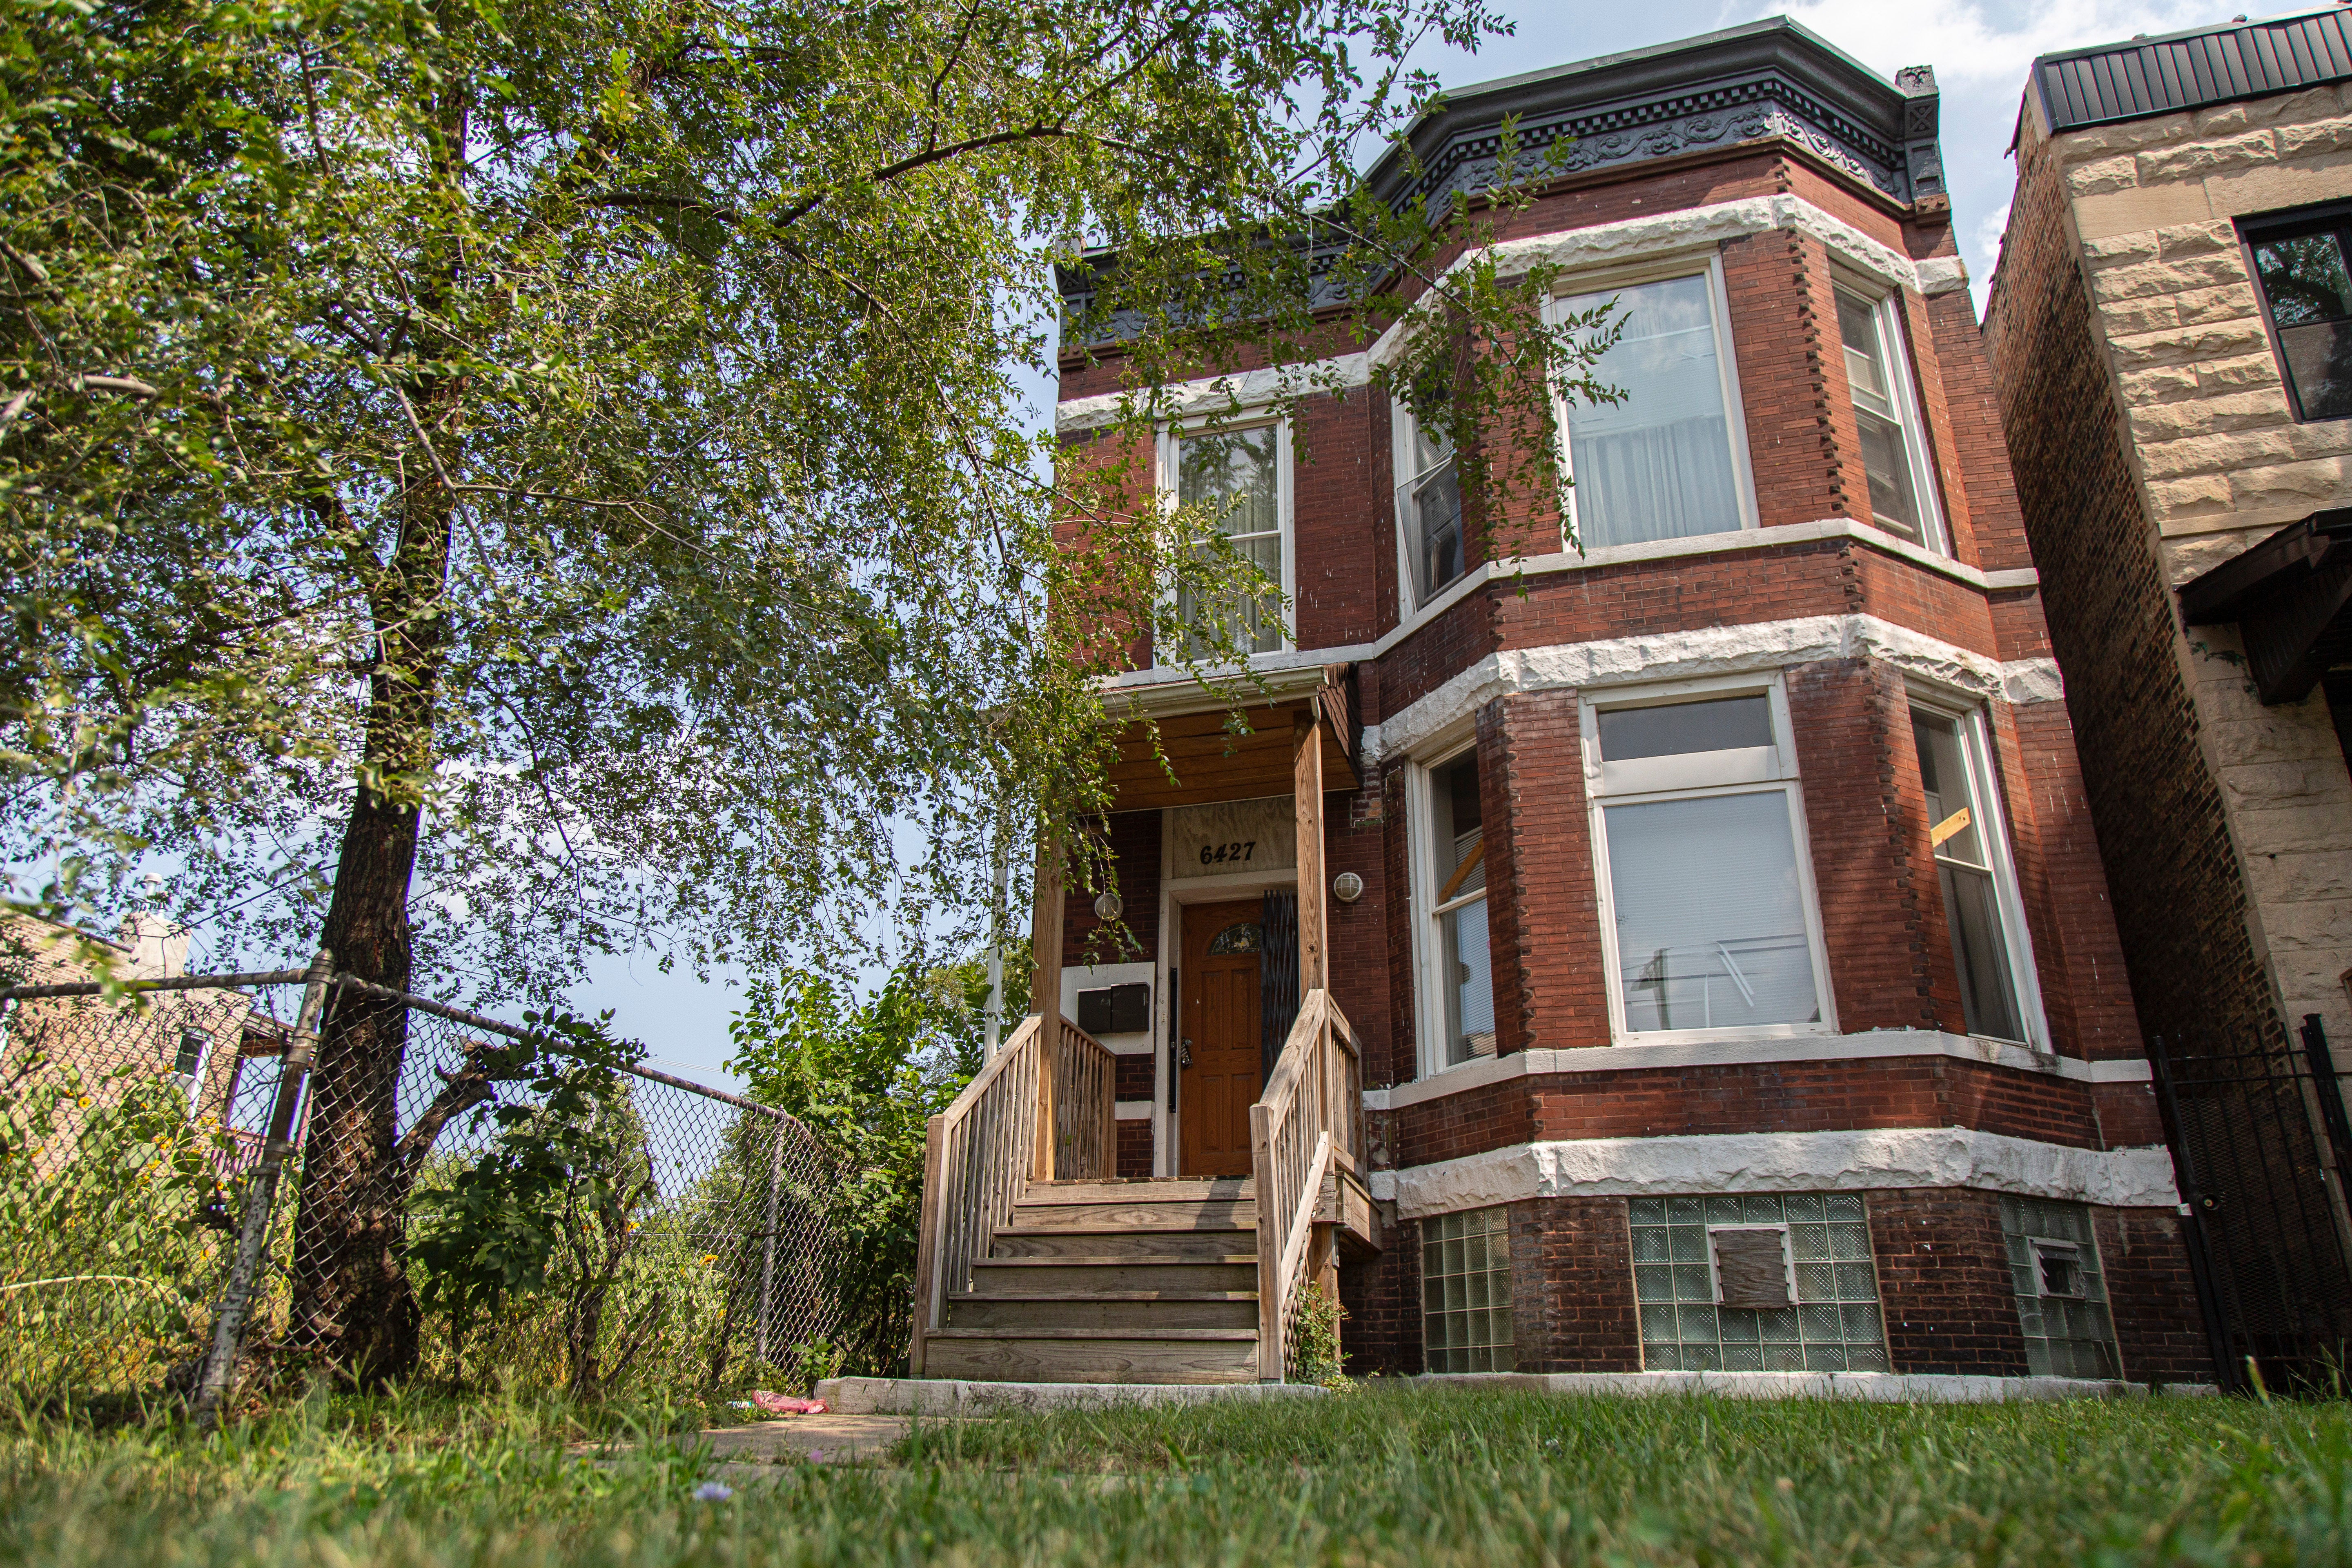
x,y
1106,906
1347,887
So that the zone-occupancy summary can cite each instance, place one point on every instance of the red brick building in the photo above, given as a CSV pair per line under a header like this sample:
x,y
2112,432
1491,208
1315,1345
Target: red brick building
x,y
1715,901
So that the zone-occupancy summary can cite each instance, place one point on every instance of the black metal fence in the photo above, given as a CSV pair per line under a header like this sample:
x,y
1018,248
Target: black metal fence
x,y
2248,1121
546,1214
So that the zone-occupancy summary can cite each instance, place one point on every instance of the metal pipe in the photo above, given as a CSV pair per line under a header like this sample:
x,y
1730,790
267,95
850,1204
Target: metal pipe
x,y
175,983
768,1258
261,1196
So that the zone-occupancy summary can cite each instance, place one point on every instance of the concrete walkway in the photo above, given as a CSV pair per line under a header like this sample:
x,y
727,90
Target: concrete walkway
x,y
829,1439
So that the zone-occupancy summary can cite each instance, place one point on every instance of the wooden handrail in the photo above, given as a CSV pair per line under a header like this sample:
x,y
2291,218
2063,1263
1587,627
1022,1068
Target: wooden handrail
x,y
1309,1117
1041,1108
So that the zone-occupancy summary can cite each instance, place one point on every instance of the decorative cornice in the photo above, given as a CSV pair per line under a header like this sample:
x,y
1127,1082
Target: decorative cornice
x,y
1769,81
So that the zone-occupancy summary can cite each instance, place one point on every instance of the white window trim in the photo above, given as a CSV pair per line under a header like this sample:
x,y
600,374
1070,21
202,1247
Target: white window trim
x,y
2008,894
1447,746
1164,490
1893,342
1600,794
1658,271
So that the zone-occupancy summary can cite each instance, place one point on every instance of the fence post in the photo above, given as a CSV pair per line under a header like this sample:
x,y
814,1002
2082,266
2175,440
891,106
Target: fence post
x,y
2221,1338
768,1257
261,1196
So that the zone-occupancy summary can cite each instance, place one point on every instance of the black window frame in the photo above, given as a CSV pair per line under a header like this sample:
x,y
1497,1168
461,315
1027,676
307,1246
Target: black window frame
x,y
2289,223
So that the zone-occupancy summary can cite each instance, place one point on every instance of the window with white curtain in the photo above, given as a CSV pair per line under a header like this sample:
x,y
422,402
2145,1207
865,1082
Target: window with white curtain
x,y
1893,459
1450,892
1706,881
1237,474
1667,461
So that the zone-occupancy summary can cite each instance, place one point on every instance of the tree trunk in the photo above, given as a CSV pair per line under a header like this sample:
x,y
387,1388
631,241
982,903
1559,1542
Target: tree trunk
x,y
352,1305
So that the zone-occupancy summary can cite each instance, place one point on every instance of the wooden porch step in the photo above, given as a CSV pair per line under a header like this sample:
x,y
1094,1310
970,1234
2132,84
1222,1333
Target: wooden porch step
x,y
1093,1274
1080,1355
1216,1243
1156,1189
1128,1311
1129,1213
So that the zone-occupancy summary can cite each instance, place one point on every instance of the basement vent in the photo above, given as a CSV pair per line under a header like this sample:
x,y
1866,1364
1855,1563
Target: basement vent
x,y
1752,1267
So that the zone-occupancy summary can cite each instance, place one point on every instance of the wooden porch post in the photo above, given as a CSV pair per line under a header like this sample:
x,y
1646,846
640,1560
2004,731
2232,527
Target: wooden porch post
x,y
1307,791
1046,996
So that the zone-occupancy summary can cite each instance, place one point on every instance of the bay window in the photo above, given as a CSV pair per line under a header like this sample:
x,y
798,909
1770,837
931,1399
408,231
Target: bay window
x,y
1886,420
1989,946
1705,884
1449,889
1429,509
1667,459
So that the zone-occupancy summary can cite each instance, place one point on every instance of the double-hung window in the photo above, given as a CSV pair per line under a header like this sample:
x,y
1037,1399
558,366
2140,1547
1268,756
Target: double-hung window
x,y
1706,885
1239,476
1989,946
1894,460
1450,891
1667,458
1429,509
2299,259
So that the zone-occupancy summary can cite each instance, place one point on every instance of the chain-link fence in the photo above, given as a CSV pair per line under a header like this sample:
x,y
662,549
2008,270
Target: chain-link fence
x,y
459,1199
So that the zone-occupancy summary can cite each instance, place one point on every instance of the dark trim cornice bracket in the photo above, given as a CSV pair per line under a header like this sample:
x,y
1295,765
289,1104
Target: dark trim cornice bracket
x,y
2290,596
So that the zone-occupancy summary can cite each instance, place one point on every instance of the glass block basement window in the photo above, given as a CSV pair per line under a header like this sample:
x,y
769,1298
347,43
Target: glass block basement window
x,y
1466,1292
1832,1324
2061,1292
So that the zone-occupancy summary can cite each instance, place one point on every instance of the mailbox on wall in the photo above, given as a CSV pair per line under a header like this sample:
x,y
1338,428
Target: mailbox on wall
x,y
1115,1009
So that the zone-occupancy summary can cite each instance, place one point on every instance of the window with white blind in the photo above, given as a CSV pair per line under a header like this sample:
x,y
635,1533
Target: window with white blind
x,y
1667,459
1240,475
1706,883
1886,418
1458,996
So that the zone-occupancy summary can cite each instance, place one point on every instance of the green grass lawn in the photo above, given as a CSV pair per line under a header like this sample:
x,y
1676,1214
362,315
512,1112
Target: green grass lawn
x,y
1390,1475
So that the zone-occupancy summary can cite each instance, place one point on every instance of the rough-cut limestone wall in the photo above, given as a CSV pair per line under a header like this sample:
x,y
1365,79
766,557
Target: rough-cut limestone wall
x,y
2221,463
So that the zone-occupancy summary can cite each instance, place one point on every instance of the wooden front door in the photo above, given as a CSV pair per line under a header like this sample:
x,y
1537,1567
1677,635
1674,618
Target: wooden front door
x,y
1221,1024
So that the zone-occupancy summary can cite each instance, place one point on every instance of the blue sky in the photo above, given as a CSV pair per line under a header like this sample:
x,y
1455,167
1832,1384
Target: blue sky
x,y
1980,53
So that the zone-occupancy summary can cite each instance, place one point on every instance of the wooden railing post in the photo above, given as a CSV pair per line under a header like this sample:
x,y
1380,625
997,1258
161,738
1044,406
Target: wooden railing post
x,y
1306,796
927,1262
1045,998
1273,1217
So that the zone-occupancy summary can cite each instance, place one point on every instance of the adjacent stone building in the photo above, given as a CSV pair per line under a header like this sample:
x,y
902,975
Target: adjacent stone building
x,y
2170,407
1714,894
2170,332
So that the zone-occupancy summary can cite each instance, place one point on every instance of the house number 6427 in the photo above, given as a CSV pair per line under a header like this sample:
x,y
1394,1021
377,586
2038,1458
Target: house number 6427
x,y
1223,854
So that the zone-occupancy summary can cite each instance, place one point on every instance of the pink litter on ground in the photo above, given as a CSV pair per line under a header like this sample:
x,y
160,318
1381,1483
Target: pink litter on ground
x,y
785,1405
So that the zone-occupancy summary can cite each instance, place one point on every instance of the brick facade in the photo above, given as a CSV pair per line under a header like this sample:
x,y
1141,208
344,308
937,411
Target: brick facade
x,y
1854,625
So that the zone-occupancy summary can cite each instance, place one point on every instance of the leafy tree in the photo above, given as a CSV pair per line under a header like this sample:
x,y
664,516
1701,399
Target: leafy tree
x,y
481,486
868,1078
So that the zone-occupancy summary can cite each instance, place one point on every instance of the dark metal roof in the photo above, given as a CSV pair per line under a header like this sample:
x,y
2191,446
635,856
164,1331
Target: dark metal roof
x,y
2192,69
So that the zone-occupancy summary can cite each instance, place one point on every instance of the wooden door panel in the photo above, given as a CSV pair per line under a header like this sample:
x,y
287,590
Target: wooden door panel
x,y
1222,1012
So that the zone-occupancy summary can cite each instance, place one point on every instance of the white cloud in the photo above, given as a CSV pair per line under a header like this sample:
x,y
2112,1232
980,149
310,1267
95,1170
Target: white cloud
x,y
1982,53
1976,45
